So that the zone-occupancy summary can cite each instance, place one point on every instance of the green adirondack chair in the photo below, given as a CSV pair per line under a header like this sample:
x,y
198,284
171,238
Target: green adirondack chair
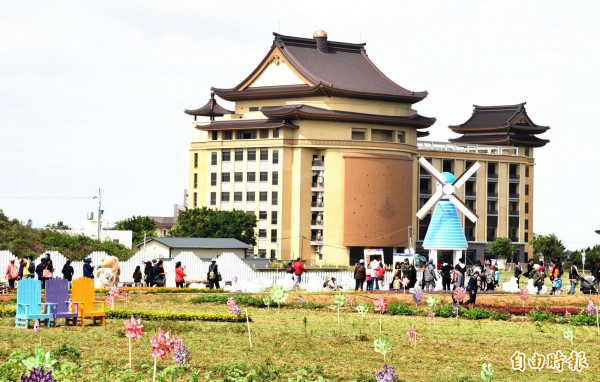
x,y
85,295
30,305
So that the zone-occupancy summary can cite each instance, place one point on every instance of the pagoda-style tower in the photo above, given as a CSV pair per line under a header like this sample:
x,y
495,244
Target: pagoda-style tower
x,y
212,109
507,125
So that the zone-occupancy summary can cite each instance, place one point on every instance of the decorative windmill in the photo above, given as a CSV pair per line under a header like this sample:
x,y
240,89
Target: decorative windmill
x,y
445,231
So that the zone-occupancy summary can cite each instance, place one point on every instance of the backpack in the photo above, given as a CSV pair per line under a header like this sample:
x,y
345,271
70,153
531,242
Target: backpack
x,y
14,273
31,268
489,276
290,269
211,273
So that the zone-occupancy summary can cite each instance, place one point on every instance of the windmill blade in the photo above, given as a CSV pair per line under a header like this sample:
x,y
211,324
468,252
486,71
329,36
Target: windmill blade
x,y
467,174
429,205
432,170
472,216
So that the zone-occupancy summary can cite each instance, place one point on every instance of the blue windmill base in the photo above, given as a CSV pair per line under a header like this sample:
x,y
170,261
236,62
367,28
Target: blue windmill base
x,y
445,230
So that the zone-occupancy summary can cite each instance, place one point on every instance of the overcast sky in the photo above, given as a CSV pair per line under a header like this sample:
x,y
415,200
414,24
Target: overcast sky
x,y
92,92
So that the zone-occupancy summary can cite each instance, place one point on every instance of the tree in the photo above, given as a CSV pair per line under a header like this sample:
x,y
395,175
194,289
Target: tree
x,y
502,247
58,225
548,245
208,222
139,225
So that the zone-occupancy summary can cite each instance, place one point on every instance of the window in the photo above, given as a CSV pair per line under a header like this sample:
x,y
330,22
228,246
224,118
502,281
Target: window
x,y
264,154
262,253
274,198
275,133
262,197
195,180
359,134
246,134
526,151
400,137
526,189
195,200
447,165
264,133
237,196
251,154
274,178
253,108
250,212
250,196
215,135
225,177
273,217
382,135
195,160
213,159
239,155
226,155
238,177
251,177
224,196
273,236
262,233
227,135
527,237
213,178
273,254
264,176
275,156
526,223
526,208
213,198
262,215
527,171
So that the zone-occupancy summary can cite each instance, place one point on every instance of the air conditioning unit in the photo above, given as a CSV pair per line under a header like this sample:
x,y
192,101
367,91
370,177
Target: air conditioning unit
x,y
318,249
320,180
319,218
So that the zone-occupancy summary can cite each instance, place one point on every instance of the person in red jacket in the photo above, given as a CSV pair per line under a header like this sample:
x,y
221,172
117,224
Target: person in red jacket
x,y
298,270
179,275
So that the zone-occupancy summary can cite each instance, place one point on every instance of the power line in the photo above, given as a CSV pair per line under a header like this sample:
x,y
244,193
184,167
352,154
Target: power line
x,y
46,197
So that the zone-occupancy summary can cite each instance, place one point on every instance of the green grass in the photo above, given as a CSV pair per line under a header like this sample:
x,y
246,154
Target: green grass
x,y
305,344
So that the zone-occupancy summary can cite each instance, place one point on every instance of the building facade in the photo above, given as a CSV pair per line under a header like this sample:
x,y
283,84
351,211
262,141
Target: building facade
x,y
323,148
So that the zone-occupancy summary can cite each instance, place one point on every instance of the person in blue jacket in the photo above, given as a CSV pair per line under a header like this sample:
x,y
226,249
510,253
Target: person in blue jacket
x,y
88,270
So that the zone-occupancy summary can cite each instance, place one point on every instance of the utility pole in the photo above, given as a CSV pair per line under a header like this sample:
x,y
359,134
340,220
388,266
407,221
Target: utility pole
x,y
99,213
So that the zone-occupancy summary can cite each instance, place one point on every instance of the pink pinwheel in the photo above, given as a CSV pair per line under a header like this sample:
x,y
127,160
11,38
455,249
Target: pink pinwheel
x,y
381,305
412,335
163,344
459,294
134,328
431,316
524,295
233,307
350,300
36,327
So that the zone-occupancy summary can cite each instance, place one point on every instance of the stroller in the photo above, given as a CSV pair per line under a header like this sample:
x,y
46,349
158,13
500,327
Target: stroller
x,y
587,285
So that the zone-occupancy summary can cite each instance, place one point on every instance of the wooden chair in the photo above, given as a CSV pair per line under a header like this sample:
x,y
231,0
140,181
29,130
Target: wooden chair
x,y
29,304
57,292
85,295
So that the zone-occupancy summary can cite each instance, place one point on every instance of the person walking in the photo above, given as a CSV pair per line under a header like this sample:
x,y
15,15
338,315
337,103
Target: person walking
x,y
39,271
147,273
360,274
574,278
298,270
88,270
518,272
458,280
68,272
530,270
213,274
538,278
463,269
369,278
446,275
137,276
160,276
12,274
472,287
179,275
380,275
429,276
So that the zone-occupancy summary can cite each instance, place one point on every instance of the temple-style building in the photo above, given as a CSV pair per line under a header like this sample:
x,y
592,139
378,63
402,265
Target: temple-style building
x,y
323,148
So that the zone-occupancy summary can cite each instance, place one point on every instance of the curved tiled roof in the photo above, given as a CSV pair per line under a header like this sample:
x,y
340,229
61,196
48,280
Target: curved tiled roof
x,y
339,68
314,113
211,109
242,124
500,125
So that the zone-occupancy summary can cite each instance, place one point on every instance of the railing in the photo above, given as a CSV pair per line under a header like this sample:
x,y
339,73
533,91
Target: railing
x,y
480,149
316,222
470,193
316,204
513,212
492,212
492,194
514,176
513,196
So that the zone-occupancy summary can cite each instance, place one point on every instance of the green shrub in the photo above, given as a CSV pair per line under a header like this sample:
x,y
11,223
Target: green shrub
x,y
476,314
401,310
539,315
583,319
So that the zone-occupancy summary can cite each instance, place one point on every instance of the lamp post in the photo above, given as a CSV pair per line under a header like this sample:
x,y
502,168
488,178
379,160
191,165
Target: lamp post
x,y
99,197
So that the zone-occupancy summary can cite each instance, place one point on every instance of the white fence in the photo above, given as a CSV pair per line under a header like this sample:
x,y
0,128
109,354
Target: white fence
x,y
230,266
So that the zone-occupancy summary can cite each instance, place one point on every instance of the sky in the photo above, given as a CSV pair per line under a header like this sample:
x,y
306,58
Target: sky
x,y
92,93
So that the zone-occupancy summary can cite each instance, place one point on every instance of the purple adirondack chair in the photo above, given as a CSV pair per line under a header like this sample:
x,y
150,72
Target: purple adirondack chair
x,y
57,292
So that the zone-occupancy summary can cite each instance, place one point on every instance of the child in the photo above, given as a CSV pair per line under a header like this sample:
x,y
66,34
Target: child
x,y
369,277
397,283
556,286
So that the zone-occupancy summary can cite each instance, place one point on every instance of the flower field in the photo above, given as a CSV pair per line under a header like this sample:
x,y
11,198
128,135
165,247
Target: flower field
x,y
304,341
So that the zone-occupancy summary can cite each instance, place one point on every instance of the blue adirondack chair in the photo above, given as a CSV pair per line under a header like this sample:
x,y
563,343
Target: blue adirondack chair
x,y
29,304
57,293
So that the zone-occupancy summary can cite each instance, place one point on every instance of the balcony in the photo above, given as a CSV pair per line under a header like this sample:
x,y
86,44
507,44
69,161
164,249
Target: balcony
x,y
470,194
492,212
492,195
316,240
317,206
514,177
316,223
513,212
513,196
317,187
492,176
318,165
